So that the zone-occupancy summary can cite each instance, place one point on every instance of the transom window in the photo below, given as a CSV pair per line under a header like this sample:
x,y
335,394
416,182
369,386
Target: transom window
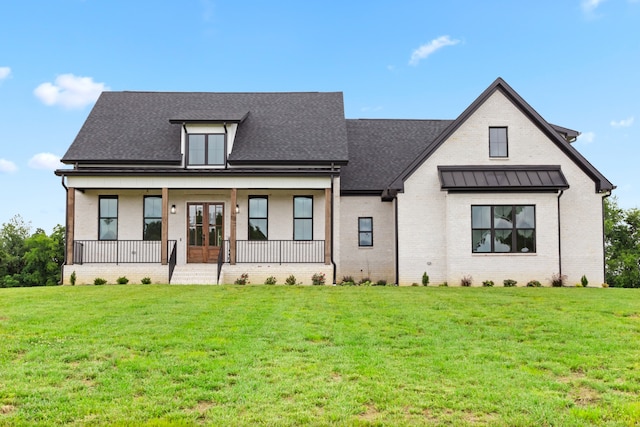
x,y
498,143
503,228
108,218
365,231
303,218
258,217
152,218
206,149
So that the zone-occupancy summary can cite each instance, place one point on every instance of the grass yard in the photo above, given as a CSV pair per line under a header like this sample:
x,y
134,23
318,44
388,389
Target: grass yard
x,y
277,355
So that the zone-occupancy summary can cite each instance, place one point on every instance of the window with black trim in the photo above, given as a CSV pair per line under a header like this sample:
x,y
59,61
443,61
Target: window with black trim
x,y
303,218
152,218
258,217
365,231
503,229
108,218
498,142
206,149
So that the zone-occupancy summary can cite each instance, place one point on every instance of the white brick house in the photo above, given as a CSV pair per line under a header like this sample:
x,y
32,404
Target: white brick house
x,y
203,187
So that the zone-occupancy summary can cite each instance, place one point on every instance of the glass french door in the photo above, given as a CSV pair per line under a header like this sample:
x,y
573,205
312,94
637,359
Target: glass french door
x,y
205,231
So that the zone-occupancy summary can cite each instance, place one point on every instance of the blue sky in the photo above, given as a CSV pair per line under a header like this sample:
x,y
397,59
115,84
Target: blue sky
x,y
576,62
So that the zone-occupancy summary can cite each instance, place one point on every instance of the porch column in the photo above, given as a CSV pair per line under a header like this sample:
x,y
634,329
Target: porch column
x,y
164,234
328,201
232,230
71,215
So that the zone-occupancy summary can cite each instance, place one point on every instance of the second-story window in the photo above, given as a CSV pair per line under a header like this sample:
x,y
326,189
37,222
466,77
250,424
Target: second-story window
x,y
498,143
206,149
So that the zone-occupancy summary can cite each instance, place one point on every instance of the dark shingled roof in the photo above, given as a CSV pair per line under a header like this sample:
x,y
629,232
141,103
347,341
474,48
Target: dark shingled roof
x,y
502,178
379,149
281,128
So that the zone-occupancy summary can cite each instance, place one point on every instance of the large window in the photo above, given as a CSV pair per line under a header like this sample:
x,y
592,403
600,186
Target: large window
x,y
498,143
303,218
152,218
503,228
258,217
108,218
365,231
206,149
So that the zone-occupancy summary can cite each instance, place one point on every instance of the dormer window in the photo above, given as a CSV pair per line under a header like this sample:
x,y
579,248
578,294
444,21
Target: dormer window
x,y
498,143
206,149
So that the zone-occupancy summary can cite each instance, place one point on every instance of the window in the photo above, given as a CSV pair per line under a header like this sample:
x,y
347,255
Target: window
x,y
258,218
498,144
365,231
303,218
108,218
498,229
206,149
152,218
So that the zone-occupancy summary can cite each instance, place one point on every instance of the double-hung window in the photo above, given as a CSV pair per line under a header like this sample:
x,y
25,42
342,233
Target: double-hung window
x,y
108,218
206,149
152,218
303,218
258,217
365,231
503,228
498,142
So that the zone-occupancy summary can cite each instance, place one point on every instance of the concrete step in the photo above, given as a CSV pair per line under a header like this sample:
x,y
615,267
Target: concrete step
x,y
195,274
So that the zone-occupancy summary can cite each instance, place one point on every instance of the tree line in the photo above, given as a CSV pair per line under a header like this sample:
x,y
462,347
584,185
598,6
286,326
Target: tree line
x,y
35,259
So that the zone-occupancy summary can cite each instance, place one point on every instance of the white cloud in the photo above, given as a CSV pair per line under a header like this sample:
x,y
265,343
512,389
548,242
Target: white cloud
x,y
70,91
589,6
7,166
622,123
45,161
587,137
427,49
4,72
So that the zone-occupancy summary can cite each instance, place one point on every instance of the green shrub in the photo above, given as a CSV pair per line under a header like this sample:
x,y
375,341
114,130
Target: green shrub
x,y
73,278
414,284
242,280
583,281
99,281
318,279
466,281
270,280
488,283
425,279
533,284
122,280
145,281
381,283
365,282
444,284
509,283
291,280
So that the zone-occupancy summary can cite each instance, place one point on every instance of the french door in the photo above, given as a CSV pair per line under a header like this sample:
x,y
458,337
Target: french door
x,y
205,231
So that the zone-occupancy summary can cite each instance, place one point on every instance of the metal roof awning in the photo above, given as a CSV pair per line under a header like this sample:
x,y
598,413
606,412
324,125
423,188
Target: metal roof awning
x,y
209,116
502,178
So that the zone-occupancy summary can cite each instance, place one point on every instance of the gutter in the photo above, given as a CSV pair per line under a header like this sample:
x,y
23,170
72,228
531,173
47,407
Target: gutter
x,y
397,243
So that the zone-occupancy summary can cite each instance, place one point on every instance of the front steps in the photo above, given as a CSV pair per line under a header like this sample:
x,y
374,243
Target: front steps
x,y
195,274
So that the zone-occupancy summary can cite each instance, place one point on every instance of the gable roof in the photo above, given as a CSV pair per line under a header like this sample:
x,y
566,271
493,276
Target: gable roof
x,y
601,183
280,128
379,148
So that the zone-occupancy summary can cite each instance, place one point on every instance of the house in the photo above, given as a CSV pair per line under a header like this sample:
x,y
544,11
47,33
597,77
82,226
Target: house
x,y
204,187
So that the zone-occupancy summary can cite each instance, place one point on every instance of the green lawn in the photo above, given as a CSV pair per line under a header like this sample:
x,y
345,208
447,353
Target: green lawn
x,y
278,355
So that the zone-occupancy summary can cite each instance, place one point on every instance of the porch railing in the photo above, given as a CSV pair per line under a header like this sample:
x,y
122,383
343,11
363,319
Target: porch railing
x,y
280,251
120,251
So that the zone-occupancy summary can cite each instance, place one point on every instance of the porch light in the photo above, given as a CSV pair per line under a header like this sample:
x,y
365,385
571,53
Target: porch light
x,y
173,209
237,209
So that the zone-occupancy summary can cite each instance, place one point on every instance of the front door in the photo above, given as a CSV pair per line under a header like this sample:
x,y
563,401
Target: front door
x,y
204,232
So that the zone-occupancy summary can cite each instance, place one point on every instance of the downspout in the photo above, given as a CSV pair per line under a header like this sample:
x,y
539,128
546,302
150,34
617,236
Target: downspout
x,y
397,242
333,262
66,228
604,240
184,129
559,237
226,164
